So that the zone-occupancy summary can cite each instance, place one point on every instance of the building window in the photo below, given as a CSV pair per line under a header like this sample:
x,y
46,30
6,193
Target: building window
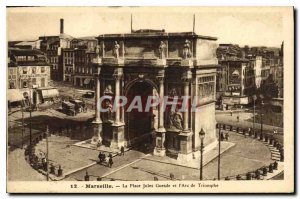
x,y
33,81
25,85
206,86
33,70
12,85
11,71
21,58
42,82
43,70
25,70
30,58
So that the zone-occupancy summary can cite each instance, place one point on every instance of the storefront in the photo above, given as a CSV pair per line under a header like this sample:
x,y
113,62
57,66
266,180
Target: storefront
x,y
14,98
47,94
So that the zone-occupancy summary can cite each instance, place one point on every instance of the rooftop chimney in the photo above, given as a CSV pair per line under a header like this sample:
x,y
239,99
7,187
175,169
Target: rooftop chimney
x,y
61,26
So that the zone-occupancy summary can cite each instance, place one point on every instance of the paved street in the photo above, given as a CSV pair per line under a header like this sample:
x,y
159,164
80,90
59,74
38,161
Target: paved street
x,y
100,170
68,90
19,169
247,155
61,152
53,118
243,122
245,119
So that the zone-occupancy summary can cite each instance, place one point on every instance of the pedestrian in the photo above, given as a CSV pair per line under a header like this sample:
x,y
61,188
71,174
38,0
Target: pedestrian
x,y
110,155
172,177
227,136
100,157
103,157
231,112
249,132
238,118
107,161
110,162
222,136
122,150
26,153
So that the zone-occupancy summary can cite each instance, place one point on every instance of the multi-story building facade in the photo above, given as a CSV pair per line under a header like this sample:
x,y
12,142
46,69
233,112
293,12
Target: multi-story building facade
x,y
236,76
257,63
28,75
84,53
152,62
27,66
70,57
68,62
262,73
53,47
239,83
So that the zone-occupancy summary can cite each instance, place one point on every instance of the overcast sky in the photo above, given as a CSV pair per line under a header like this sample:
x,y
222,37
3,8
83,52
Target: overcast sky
x,y
252,27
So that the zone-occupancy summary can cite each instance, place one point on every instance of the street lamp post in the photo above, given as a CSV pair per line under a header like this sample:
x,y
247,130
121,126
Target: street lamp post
x,y
261,120
47,152
23,127
201,135
219,156
30,123
254,98
30,115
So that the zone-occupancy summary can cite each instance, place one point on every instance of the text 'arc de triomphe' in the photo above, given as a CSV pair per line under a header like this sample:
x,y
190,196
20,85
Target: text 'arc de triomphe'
x,y
153,62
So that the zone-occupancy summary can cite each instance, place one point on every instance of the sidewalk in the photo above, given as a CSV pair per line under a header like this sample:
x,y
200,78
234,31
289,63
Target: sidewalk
x,y
232,120
19,170
194,163
246,155
70,158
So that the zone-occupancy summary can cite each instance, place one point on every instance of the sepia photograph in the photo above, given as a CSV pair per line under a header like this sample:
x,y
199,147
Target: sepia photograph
x,y
150,99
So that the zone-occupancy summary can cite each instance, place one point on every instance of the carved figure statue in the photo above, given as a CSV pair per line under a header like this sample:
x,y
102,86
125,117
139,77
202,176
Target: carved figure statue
x,y
116,50
162,50
186,50
175,120
173,92
108,89
108,106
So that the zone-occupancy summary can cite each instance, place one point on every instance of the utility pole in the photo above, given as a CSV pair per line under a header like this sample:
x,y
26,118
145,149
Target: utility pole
x,y
30,121
194,24
261,115
23,128
254,98
219,156
131,30
47,153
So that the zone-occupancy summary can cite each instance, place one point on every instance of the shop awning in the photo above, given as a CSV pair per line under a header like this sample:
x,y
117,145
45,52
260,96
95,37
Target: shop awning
x,y
49,93
14,95
87,81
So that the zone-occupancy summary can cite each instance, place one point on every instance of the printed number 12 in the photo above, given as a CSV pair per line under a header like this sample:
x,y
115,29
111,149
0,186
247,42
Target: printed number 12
x,y
73,185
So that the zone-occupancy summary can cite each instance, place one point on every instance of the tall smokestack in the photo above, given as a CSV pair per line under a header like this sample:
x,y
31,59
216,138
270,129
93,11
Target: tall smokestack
x,y
61,26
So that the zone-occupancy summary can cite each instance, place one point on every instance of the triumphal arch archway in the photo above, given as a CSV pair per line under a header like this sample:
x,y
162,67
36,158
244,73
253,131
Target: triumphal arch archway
x,y
179,69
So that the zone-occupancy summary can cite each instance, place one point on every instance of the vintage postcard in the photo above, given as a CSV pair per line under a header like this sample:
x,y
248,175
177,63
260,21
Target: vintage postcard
x,y
150,99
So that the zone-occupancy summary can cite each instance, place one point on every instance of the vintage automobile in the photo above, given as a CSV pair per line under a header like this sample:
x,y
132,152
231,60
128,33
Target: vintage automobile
x,y
89,94
79,105
69,108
